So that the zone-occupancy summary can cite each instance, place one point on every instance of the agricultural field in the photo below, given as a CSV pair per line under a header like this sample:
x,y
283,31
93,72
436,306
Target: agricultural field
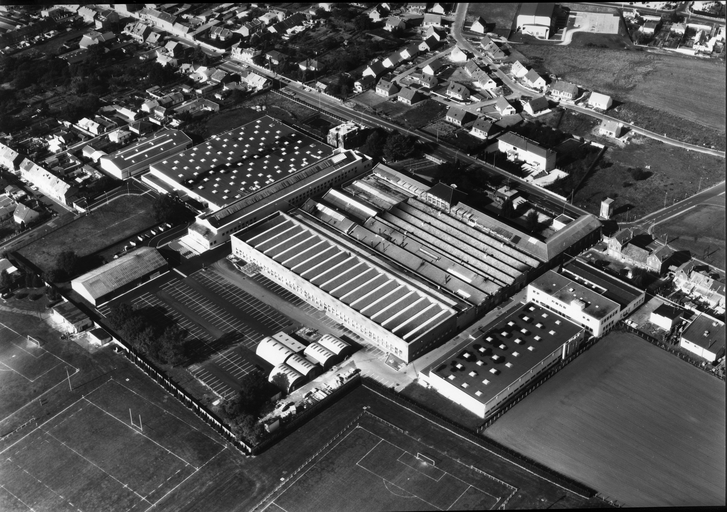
x,y
422,113
700,231
671,170
665,84
105,226
630,420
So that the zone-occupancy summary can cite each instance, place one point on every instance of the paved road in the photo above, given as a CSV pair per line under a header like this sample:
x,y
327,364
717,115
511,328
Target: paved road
x,y
461,40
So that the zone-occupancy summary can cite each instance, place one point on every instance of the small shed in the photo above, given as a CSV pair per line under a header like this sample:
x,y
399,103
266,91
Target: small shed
x,y
665,316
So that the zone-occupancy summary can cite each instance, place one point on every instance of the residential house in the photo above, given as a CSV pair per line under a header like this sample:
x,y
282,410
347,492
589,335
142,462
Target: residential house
x,y
439,9
7,208
599,101
392,60
375,69
275,58
416,7
268,18
432,20
458,91
24,215
665,316
221,34
138,31
9,158
459,55
518,70
95,37
610,128
482,80
409,96
471,68
433,67
525,150
564,90
105,19
483,128
394,23
435,32
245,54
491,48
429,81
386,88
636,247
364,84
429,44
48,184
534,80
504,107
650,27
410,51
88,14
250,28
378,13
309,65
536,105
456,115
695,279
479,25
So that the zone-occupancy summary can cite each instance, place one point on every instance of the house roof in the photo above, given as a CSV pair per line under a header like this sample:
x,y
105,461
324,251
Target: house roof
x,y
456,113
483,124
448,194
24,213
408,93
377,67
70,312
394,21
502,104
610,125
471,67
430,80
431,42
613,288
667,311
365,80
457,88
532,76
597,97
432,18
386,85
434,65
563,86
539,103
411,49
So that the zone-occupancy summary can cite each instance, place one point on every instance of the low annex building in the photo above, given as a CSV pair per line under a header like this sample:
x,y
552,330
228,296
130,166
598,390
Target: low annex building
x,y
70,318
585,295
501,360
120,275
137,158
705,337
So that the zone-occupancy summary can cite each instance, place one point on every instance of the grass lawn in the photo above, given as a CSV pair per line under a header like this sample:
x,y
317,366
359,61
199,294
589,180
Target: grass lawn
x,y
422,113
281,107
666,84
700,231
107,225
675,171
630,420
229,119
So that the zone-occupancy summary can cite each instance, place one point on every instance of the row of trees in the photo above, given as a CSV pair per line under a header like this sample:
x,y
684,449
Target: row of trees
x,y
391,146
143,330
243,410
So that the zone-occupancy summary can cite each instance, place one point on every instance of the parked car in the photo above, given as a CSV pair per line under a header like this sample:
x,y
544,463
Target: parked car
x,y
132,243
153,232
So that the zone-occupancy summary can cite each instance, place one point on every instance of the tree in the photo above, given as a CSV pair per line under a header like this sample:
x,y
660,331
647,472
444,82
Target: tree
x,y
119,315
531,220
247,426
168,209
281,381
172,346
362,22
507,209
52,293
374,145
253,393
67,262
398,147
4,280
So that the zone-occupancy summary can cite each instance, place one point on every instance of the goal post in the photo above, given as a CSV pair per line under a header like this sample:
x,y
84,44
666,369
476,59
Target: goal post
x,y
426,459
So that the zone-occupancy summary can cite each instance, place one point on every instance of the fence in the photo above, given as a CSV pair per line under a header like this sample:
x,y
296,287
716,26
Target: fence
x,y
301,419
486,443
697,364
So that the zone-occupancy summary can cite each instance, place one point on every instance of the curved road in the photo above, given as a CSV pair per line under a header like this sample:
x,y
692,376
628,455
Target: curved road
x,y
461,40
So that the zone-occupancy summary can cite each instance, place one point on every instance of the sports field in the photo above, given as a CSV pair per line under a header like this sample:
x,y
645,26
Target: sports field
x,y
106,225
374,466
27,371
630,420
91,456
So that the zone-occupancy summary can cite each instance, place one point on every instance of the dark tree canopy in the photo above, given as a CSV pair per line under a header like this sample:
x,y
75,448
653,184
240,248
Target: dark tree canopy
x,y
398,147
169,209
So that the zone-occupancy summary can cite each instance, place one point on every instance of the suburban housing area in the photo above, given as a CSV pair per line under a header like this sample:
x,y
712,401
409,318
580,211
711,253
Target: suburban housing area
x,y
377,256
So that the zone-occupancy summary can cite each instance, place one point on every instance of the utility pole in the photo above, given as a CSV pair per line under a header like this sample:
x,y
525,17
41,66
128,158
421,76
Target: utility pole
x,y
700,182
665,193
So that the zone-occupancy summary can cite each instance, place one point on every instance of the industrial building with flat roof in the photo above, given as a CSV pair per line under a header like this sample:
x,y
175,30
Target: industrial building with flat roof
x,y
213,229
586,296
120,275
239,162
136,158
394,313
504,358
705,337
